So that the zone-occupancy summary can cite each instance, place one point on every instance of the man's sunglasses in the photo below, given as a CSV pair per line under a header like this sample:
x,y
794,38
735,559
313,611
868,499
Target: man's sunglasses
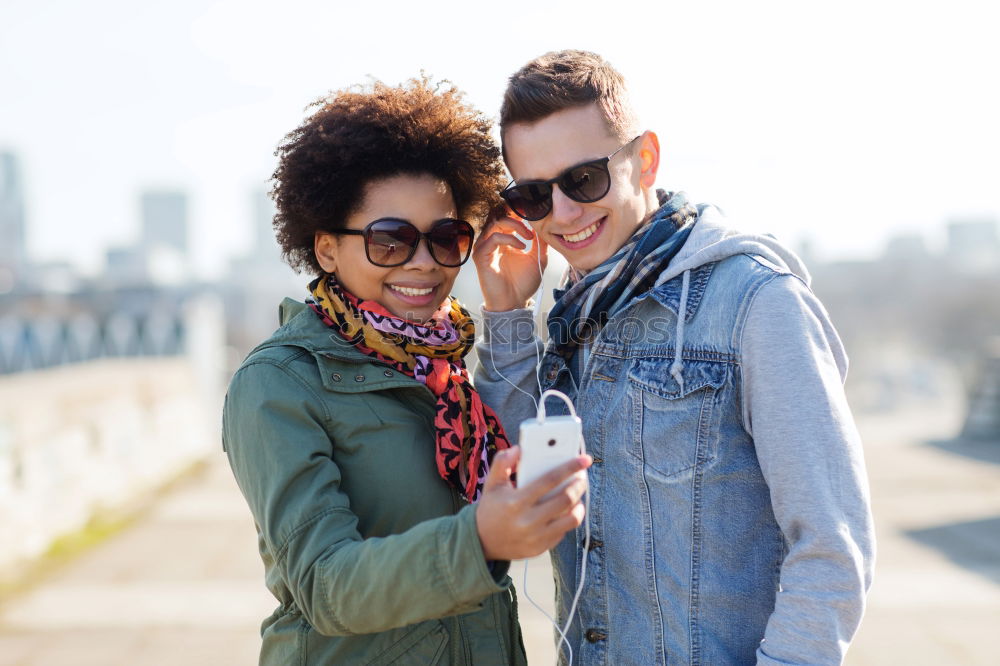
x,y
586,183
393,242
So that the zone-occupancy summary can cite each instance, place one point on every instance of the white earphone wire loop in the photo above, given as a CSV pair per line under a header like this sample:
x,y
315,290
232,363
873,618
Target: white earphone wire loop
x,y
540,415
559,394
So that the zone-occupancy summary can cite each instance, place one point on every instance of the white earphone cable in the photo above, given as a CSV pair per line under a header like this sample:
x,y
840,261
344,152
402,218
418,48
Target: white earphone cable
x,y
540,411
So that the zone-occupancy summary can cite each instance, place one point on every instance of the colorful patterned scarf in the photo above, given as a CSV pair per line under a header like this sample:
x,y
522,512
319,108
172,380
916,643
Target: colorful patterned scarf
x,y
467,432
584,304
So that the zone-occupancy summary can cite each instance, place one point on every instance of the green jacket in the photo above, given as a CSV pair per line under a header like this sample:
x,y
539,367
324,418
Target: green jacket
x,y
373,558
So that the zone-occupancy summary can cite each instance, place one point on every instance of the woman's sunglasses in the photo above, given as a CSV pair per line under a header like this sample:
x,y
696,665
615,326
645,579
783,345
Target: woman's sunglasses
x,y
586,183
393,242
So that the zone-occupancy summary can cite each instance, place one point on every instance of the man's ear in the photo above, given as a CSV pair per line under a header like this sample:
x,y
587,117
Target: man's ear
x,y
325,248
649,158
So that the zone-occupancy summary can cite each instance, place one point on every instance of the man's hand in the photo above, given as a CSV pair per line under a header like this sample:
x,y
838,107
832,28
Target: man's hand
x,y
508,272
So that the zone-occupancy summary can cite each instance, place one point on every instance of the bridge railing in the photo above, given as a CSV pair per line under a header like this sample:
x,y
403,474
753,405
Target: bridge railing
x,y
50,341
85,433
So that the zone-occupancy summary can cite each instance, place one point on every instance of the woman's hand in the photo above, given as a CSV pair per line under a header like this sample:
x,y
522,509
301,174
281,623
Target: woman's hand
x,y
508,272
517,523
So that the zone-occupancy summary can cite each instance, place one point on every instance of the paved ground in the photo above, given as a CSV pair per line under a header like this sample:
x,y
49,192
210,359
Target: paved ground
x,y
184,586
936,596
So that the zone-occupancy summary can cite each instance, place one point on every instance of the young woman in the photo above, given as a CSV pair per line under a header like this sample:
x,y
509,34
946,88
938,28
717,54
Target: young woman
x,y
379,482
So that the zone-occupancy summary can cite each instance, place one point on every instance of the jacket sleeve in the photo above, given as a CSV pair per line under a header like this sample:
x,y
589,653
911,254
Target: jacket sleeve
x,y
275,436
508,356
811,456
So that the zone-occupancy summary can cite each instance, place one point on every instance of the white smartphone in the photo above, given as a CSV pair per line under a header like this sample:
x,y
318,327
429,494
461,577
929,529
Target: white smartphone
x,y
547,444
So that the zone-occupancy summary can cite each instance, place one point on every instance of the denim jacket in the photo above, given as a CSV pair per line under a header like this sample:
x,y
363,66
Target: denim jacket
x,y
729,505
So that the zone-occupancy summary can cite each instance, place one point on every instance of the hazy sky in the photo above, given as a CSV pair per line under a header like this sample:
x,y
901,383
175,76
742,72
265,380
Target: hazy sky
x,y
845,122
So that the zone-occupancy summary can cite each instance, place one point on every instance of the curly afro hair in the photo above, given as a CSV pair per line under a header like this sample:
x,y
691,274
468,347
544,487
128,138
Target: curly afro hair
x,y
361,134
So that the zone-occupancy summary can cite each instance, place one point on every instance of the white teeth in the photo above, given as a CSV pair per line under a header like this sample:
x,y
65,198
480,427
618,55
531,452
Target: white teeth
x,y
582,235
410,291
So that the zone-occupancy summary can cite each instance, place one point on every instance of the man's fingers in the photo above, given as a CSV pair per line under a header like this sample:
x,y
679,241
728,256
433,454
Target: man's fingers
x,y
490,244
509,225
543,251
485,247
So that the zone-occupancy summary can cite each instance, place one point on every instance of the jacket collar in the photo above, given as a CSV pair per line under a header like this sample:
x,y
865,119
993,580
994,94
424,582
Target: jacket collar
x,y
342,368
668,294
300,327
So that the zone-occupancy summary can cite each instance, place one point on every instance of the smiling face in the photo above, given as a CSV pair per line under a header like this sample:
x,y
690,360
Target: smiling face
x,y
414,290
585,233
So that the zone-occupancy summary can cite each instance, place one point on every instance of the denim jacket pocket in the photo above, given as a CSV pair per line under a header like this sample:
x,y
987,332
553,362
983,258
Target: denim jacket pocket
x,y
675,424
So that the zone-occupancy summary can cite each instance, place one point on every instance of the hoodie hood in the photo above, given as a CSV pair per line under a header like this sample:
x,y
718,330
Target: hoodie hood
x,y
711,240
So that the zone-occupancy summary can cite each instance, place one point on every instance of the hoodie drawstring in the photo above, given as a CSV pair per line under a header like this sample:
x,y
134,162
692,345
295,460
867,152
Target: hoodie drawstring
x,y
678,365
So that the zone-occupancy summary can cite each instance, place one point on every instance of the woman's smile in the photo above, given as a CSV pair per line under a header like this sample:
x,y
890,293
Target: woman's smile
x,y
415,290
414,295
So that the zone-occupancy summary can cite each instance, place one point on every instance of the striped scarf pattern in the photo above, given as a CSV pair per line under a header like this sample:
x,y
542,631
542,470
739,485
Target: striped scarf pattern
x,y
584,304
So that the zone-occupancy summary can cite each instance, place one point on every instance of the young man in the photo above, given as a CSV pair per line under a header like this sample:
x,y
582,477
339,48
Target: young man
x,y
729,506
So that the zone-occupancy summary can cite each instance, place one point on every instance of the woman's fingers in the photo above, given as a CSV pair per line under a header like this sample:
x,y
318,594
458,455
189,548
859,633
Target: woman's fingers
x,y
504,464
512,524
538,488
561,500
556,530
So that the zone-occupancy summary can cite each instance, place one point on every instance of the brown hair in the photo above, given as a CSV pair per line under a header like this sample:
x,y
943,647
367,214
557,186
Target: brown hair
x,y
561,80
361,134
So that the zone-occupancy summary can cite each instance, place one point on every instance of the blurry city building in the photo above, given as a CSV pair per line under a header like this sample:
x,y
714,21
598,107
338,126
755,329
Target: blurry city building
x,y
973,244
125,265
161,255
165,220
257,282
13,238
910,313
806,249
906,248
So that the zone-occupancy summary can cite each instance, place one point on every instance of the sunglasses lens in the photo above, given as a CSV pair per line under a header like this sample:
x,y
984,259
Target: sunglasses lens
x,y
451,242
391,242
532,201
586,183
